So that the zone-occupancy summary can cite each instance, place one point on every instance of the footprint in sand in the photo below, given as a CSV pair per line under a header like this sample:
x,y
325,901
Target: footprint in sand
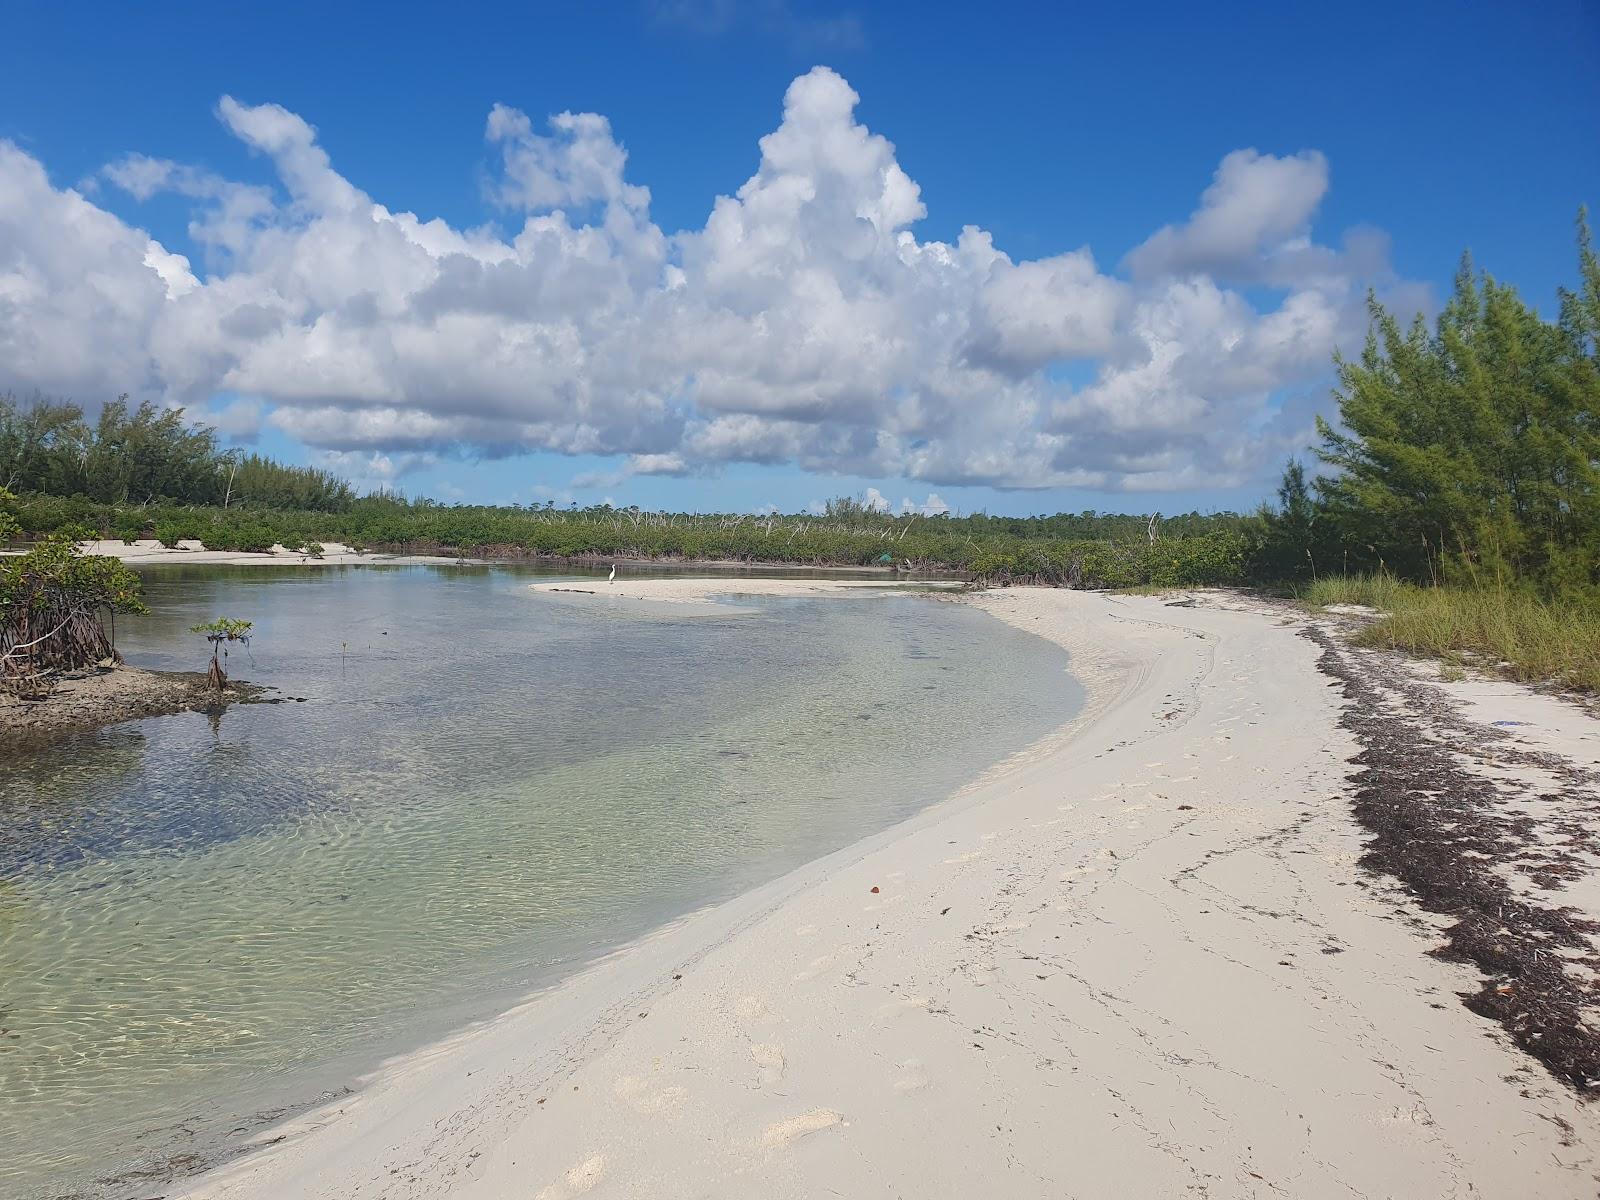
x,y
891,1009
639,1096
782,1133
578,1181
771,1061
750,1008
817,967
912,1077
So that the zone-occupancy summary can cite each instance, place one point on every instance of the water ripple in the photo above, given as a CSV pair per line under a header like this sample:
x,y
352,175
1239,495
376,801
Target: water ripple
x,y
481,790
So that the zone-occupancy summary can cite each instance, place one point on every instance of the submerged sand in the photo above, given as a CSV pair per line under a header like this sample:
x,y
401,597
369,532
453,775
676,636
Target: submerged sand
x,y
698,590
702,597
1141,961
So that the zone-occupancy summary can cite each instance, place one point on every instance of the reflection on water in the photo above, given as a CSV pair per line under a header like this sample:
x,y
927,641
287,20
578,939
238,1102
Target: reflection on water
x,y
482,789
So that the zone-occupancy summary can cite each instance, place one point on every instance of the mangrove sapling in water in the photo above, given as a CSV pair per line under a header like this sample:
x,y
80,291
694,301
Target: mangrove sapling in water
x,y
218,633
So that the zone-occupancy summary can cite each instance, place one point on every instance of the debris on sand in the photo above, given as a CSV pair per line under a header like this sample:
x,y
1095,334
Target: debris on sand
x,y
1488,833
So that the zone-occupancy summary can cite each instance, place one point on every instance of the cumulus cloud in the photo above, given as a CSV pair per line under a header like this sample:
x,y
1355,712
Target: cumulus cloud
x,y
933,506
1050,310
371,472
81,293
578,164
1257,205
238,421
1253,227
637,464
803,323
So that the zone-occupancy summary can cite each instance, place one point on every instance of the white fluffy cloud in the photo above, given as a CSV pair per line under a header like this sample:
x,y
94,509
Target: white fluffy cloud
x,y
1256,207
803,323
933,506
371,471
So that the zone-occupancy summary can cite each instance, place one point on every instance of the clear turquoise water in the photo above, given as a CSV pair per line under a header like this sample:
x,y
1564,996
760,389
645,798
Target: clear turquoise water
x,y
204,919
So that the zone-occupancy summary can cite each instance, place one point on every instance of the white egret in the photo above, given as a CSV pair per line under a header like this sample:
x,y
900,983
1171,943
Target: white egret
x,y
612,578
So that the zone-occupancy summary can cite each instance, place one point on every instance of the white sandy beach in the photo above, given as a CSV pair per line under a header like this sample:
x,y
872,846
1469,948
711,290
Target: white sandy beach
x,y
149,552
152,553
1141,961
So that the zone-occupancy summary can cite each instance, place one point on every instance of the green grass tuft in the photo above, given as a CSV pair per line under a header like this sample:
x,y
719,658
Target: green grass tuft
x,y
1536,639
1382,592
1517,634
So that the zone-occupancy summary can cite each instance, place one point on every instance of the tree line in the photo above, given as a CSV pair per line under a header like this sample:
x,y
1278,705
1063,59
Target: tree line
x,y
1108,551
146,454
1467,452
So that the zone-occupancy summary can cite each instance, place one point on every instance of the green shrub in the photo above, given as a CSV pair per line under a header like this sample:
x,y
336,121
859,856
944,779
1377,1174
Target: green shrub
x,y
170,533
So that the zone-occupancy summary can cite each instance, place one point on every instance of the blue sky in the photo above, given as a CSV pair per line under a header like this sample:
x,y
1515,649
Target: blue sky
x,y
1168,383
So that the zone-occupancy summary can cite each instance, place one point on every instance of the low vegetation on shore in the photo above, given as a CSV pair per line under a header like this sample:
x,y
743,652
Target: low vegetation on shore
x,y
59,666
54,606
1516,633
1071,549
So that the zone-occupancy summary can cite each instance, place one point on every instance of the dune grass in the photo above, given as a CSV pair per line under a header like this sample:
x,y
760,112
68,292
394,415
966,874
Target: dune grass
x,y
1382,592
1520,635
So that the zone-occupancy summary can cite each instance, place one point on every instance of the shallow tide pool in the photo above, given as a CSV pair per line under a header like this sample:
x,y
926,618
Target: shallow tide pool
x,y
207,920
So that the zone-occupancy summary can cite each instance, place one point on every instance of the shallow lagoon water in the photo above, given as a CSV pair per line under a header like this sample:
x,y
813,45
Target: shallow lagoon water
x,y
203,919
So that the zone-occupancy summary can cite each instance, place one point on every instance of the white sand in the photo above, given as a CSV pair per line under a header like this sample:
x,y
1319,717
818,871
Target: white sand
x,y
152,553
1103,973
